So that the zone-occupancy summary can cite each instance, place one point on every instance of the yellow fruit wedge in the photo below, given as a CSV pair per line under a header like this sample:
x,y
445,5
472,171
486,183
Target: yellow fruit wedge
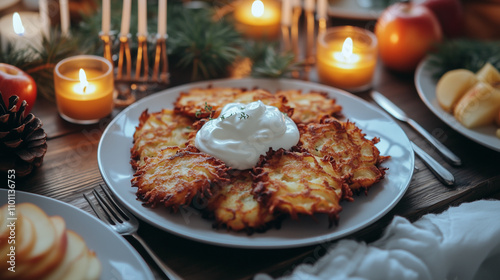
x,y
489,74
452,86
478,106
94,269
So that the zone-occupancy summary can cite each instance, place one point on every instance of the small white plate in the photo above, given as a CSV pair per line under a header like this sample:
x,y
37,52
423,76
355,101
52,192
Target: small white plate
x,y
355,9
426,87
113,156
118,258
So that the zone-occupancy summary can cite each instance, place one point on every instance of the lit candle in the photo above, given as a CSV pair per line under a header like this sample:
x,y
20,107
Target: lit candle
x,y
346,58
21,31
142,18
127,7
64,7
106,17
84,88
162,18
258,19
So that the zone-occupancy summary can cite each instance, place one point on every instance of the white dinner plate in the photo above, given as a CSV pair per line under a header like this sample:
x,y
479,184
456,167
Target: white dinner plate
x,y
118,258
426,87
114,156
356,9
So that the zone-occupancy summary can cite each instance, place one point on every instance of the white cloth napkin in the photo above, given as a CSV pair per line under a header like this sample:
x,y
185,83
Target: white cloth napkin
x,y
459,244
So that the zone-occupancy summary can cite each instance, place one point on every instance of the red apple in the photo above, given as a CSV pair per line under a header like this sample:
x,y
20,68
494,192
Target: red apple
x,y
450,14
14,81
405,33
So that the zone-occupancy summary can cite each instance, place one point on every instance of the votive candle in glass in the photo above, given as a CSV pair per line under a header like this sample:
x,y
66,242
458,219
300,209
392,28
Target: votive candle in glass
x,y
84,88
258,19
347,57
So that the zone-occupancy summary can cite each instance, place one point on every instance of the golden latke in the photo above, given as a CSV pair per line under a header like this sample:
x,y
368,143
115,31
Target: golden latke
x,y
234,206
208,103
174,180
355,157
310,107
297,183
157,131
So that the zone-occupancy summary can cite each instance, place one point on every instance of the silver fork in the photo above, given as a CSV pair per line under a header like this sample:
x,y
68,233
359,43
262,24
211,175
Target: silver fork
x,y
124,223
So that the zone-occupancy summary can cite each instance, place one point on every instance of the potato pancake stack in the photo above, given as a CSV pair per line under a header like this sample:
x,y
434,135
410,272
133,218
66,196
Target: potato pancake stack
x,y
332,160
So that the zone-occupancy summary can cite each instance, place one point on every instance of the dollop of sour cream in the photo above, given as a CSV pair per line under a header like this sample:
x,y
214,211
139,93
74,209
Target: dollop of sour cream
x,y
243,132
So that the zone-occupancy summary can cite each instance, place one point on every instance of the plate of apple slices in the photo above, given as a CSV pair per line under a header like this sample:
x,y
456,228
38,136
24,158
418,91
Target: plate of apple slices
x,y
468,102
43,238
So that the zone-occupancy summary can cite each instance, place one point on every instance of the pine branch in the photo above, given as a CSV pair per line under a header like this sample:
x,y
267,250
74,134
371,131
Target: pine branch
x,y
466,54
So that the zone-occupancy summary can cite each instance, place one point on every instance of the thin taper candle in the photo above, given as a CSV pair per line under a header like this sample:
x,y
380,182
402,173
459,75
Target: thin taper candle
x,y
125,27
43,7
286,13
321,9
106,17
64,9
142,15
162,18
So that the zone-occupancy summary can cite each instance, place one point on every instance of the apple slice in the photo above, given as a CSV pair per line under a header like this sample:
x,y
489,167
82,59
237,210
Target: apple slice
x,y
94,269
4,230
75,250
44,228
36,270
489,74
452,86
478,106
26,236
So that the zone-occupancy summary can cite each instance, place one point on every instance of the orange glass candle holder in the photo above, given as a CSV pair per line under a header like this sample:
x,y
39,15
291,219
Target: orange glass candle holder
x,y
258,19
346,58
87,97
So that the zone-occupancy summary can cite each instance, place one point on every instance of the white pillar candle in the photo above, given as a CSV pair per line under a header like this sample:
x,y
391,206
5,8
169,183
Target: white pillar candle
x,y
162,18
321,9
43,7
286,13
106,17
125,28
30,36
142,18
64,10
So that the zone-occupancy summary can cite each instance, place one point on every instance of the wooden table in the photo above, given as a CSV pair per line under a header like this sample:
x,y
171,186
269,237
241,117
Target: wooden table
x,y
70,169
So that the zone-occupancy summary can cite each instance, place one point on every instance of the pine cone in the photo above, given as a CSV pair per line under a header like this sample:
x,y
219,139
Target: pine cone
x,y
22,139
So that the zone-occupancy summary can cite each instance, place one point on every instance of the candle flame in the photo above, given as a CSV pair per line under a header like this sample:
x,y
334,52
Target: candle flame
x,y
83,80
257,8
18,24
347,48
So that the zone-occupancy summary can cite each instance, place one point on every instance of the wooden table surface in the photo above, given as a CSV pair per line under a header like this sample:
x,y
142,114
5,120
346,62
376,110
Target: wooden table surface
x,y
70,169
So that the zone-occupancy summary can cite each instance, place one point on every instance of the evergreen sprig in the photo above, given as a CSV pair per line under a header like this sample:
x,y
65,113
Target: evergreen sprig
x,y
465,54
269,62
205,46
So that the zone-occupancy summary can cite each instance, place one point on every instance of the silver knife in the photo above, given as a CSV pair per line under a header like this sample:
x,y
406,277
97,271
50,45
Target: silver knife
x,y
397,113
441,173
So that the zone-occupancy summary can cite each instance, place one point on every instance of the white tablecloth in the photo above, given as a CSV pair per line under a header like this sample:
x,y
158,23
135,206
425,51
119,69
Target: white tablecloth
x,y
459,244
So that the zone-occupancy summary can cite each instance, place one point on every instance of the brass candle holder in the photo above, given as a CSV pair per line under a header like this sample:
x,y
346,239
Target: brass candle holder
x,y
161,60
124,56
127,82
